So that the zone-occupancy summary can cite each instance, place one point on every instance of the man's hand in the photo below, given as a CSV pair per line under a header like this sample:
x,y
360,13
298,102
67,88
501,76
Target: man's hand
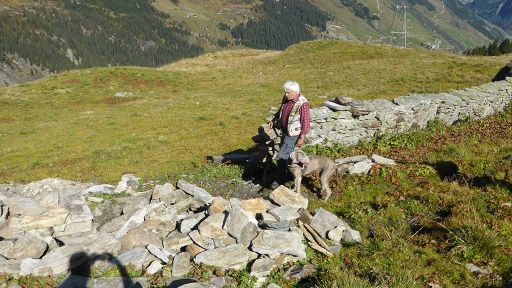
x,y
509,64
300,142
270,124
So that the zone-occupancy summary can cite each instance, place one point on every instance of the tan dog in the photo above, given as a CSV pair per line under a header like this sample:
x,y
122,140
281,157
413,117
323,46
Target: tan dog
x,y
312,164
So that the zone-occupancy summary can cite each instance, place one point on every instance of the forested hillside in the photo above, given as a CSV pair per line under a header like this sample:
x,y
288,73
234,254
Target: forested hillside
x,y
78,34
498,12
284,23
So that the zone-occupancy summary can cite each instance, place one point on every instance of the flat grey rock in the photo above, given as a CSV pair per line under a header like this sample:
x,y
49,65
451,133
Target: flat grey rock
x,y
382,160
351,236
211,227
53,216
362,167
12,228
57,261
223,242
154,267
176,240
277,242
139,237
336,234
475,269
285,213
136,219
24,206
115,224
162,190
26,247
195,191
50,185
191,221
5,247
248,234
336,107
324,221
100,189
353,159
262,267
136,201
203,241
95,199
180,264
235,222
98,243
284,196
10,267
159,252
174,197
233,256
221,282
127,180
137,257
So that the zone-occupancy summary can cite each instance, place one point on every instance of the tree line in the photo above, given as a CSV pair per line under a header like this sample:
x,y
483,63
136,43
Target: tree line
x,y
495,48
284,22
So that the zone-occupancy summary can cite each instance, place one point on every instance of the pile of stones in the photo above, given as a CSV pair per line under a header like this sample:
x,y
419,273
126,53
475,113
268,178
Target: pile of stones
x,y
48,228
347,121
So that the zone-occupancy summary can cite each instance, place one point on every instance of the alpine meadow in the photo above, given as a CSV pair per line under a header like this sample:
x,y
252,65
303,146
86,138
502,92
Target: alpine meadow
x,y
115,166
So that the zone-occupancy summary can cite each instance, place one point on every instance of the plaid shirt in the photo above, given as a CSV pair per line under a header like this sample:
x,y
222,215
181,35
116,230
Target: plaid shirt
x,y
305,117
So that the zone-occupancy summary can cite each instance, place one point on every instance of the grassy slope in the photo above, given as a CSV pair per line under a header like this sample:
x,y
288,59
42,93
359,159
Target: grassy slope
x,y
419,229
70,125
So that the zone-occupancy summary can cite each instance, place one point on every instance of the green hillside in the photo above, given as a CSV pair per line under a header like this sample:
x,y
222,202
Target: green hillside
x,y
456,26
72,125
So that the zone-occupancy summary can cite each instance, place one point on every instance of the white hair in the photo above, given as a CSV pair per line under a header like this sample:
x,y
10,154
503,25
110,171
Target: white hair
x,y
291,86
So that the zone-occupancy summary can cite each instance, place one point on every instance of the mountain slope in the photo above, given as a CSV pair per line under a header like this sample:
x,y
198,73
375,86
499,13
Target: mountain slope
x,y
498,12
71,34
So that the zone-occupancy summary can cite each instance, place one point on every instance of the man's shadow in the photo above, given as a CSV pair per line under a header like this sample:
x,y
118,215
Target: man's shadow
x,y
449,171
80,265
255,163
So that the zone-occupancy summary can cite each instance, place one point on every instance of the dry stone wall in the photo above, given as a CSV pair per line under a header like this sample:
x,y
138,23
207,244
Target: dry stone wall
x,y
350,121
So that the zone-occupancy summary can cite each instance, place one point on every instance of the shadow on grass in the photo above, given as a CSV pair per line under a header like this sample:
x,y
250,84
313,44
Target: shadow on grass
x,y
80,265
255,163
449,171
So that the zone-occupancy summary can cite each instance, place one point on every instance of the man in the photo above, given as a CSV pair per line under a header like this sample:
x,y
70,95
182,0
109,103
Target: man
x,y
503,73
293,119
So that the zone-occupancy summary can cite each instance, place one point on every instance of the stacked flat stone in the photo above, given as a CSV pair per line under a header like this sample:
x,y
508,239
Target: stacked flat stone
x,y
337,122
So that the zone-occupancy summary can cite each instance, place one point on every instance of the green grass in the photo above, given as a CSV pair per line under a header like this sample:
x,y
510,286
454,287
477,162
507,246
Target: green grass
x,y
416,228
70,125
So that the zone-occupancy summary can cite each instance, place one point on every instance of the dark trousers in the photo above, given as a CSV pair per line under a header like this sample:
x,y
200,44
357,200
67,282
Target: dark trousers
x,y
286,148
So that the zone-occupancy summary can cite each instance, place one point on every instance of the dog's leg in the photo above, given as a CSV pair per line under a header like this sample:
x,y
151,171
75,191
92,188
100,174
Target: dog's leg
x,y
298,180
324,179
296,171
